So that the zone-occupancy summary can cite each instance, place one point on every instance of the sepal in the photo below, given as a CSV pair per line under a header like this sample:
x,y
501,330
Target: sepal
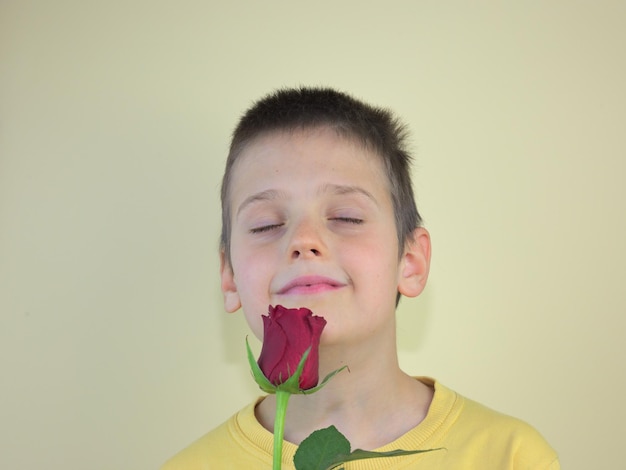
x,y
323,382
257,373
292,384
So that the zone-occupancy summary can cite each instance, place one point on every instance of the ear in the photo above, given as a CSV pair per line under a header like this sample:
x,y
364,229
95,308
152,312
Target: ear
x,y
232,302
415,264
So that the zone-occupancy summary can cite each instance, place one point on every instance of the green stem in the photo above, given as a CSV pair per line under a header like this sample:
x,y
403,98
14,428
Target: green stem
x,y
282,398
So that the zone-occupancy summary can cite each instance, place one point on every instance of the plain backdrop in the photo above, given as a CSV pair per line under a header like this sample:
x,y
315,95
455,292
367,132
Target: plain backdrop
x,y
115,118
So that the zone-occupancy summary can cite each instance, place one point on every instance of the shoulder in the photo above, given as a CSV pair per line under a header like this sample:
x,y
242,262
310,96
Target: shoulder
x,y
224,446
195,455
515,439
510,441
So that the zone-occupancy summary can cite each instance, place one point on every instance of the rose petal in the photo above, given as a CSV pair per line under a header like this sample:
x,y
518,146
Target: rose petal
x,y
287,334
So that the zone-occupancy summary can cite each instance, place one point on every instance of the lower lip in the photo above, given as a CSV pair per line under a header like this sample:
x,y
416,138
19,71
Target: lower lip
x,y
311,289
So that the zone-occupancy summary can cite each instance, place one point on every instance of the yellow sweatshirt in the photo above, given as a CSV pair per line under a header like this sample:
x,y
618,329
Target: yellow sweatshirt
x,y
473,437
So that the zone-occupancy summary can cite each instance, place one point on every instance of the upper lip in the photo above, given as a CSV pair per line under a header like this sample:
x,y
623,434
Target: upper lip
x,y
309,281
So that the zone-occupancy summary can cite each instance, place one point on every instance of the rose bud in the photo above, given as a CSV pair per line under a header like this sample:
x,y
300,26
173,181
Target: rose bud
x,y
287,334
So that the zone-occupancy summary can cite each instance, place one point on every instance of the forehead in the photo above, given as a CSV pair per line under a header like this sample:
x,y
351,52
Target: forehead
x,y
306,154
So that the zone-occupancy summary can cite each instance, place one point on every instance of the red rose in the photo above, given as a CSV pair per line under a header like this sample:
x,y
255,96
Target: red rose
x,y
287,334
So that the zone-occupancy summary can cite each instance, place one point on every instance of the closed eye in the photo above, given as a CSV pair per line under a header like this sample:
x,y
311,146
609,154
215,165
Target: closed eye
x,y
265,228
351,220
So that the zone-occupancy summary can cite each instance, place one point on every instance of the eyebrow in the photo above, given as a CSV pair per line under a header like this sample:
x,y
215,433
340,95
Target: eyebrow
x,y
267,195
338,189
341,189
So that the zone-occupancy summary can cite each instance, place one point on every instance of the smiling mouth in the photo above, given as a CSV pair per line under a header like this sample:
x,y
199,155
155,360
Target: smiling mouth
x,y
310,285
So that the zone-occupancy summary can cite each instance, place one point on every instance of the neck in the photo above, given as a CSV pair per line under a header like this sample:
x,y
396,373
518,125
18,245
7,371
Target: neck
x,y
372,390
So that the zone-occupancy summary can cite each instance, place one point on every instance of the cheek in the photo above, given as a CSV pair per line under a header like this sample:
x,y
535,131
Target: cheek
x,y
253,304
252,278
381,257
255,323
253,273
377,272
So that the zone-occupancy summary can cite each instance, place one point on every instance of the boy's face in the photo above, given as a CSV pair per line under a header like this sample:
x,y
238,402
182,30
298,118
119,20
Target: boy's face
x,y
313,226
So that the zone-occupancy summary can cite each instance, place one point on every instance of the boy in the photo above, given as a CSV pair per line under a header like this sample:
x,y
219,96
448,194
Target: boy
x,y
318,212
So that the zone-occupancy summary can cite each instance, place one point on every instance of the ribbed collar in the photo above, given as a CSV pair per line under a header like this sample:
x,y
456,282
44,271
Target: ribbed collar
x,y
443,411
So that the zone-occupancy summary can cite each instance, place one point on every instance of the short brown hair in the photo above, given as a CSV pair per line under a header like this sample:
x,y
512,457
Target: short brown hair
x,y
308,108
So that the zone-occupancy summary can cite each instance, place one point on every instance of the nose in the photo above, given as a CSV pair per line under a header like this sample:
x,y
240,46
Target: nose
x,y
306,241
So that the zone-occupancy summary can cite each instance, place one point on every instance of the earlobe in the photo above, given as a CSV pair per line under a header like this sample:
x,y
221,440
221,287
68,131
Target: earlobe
x,y
415,264
232,302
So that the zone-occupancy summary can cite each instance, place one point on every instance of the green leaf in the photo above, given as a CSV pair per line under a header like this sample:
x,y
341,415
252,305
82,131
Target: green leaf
x,y
319,451
327,449
360,454
259,376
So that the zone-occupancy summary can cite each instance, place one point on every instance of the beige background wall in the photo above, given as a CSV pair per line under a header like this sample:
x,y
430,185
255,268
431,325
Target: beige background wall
x,y
115,351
